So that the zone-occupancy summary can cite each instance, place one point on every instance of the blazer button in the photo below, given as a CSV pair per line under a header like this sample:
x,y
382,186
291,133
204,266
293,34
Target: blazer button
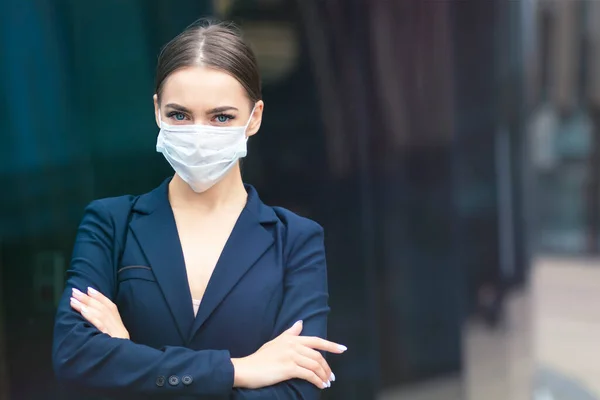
x,y
173,380
187,380
160,381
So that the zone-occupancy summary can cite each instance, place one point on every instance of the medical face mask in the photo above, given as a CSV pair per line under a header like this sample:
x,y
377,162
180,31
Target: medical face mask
x,y
202,154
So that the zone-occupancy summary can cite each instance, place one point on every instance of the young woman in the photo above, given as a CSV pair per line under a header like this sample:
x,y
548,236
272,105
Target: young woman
x,y
198,289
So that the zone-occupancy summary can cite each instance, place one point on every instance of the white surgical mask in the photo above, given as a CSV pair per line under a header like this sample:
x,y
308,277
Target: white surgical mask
x,y
202,154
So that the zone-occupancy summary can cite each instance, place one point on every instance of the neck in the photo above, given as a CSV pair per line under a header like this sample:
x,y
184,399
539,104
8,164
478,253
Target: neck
x,y
228,192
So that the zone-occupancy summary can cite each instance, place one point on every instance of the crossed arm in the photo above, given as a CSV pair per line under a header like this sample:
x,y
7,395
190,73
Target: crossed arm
x,y
92,349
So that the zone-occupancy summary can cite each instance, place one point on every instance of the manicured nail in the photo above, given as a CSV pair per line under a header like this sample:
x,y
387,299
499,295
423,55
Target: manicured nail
x,y
77,291
75,301
325,386
92,290
84,310
328,383
332,377
342,347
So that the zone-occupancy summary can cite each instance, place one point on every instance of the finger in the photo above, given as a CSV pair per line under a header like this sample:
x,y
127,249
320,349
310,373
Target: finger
x,y
90,314
295,330
318,357
82,297
97,305
314,366
321,344
76,304
93,293
310,376
92,317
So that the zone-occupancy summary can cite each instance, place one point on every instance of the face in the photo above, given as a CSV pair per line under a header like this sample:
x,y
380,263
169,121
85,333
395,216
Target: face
x,y
205,96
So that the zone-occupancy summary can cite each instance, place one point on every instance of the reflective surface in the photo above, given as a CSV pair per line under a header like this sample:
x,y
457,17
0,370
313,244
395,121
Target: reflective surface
x,y
442,145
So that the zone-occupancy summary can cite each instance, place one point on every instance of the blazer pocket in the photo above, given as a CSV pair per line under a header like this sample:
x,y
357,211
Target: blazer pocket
x,y
135,272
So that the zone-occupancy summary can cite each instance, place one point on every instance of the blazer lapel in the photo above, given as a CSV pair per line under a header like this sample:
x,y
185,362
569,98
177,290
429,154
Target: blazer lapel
x,y
156,232
248,241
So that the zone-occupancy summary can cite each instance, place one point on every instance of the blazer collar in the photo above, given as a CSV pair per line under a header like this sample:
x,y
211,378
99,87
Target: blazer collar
x,y
156,232
147,203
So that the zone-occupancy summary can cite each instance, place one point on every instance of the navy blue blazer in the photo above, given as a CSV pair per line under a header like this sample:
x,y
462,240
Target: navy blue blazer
x,y
271,273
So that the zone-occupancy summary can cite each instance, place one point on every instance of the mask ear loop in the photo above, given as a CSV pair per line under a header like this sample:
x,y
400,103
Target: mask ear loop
x,y
250,119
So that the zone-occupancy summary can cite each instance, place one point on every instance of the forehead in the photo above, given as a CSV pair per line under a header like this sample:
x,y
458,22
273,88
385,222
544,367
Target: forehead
x,y
200,87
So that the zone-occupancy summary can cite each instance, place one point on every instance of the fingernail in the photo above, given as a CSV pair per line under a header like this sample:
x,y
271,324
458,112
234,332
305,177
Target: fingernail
x,y
77,291
298,322
92,290
84,310
342,347
328,383
75,301
325,386
332,377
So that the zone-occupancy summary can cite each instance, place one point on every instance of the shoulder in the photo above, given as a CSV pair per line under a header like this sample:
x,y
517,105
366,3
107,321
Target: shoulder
x,y
122,205
108,211
112,205
296,224
298,231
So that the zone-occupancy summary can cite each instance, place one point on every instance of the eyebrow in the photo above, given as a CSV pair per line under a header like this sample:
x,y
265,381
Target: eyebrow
x,y
216,110
179,108
219,110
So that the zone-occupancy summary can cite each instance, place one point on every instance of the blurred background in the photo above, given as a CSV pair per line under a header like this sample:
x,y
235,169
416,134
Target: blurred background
x,y
451,150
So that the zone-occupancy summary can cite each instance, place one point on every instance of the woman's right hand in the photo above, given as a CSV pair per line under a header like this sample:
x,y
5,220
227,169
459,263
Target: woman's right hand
x,y
288,356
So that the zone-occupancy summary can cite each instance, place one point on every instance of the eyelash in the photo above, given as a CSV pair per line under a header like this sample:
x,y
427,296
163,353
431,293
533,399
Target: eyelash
x,y
172,114
228,116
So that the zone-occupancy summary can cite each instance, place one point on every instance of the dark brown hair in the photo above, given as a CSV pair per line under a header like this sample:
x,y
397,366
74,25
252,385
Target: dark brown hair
x,y
214,45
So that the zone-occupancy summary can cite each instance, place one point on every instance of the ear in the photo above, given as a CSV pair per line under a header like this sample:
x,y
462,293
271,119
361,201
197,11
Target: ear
x,y
156,110
256,120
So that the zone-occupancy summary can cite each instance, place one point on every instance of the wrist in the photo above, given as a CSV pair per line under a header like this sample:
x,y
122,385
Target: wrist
x,y
124,334
238,373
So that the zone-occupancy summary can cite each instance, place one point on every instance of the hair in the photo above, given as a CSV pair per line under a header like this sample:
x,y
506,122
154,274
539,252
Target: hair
x,y
215,45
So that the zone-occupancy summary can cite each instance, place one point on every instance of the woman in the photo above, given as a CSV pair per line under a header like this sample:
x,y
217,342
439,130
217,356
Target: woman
x,y
197,289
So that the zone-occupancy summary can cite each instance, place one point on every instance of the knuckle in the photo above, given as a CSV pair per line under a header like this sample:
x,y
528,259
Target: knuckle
x,y
296,372
290,353
305,374
315,366
293,348
292,369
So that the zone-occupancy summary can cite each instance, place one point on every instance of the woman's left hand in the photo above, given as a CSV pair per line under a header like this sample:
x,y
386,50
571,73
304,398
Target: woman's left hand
x,y
98,310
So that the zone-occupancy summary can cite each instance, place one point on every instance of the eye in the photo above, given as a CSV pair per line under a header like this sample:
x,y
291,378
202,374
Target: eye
x,y
223,118
177,115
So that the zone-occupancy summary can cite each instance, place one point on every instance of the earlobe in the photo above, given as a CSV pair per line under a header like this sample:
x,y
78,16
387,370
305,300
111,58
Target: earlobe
x,y
254,128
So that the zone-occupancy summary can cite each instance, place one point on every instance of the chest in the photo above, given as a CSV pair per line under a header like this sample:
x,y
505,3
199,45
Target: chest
x,y
203,239
152,300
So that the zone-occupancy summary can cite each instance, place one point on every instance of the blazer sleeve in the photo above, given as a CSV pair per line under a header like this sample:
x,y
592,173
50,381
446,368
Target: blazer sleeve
x,y
85,358
305,298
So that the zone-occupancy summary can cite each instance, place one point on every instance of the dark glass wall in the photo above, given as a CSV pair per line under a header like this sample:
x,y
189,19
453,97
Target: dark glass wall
x,y
396,125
